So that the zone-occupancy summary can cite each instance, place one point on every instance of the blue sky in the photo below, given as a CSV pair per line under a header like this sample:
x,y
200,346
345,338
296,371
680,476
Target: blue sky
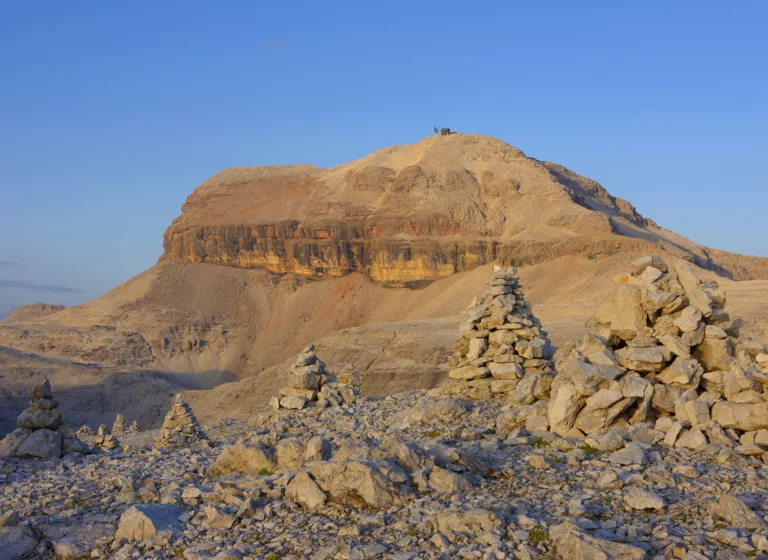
x,y
112,112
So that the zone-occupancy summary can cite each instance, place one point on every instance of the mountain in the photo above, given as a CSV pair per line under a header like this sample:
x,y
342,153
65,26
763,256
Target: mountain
x,y
373,260
410,214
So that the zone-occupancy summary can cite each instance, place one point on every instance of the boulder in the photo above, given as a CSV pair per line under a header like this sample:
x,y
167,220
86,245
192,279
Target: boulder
x,y
572,543
622,311
738,514
355,483
639,499
149,523
447,482
41,444
35,418
469,522
745,417
243,458
17,542
303,490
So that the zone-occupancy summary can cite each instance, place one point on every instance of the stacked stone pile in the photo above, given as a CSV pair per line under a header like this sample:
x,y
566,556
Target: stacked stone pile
x,y
119,426
661,348
502,346
313,386
40,432
105,440
84,431
180,427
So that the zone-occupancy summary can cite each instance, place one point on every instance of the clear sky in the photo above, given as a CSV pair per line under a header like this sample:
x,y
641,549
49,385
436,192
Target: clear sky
x,y
112,112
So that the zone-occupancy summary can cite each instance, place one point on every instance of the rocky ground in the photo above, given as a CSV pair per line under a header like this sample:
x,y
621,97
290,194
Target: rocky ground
x,y
414,475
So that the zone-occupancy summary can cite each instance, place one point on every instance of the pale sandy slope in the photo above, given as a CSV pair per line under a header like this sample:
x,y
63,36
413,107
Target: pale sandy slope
x,y
249,324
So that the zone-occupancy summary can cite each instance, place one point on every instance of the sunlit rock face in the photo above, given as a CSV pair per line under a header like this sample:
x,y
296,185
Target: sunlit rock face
x,y
411,214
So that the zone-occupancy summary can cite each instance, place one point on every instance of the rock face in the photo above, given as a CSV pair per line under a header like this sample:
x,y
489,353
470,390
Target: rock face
x,y
502,346
415,213
313,386
40,433
180,427
661,345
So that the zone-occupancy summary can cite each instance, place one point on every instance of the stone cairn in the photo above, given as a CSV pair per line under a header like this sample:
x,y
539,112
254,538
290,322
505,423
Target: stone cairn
x,y
313,386
40,432
502,348
84,431
180,427
119,426
662,352
105,440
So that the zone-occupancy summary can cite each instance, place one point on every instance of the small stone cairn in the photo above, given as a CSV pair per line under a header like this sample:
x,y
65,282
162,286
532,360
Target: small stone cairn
x,y
105,440
40,432
502,348
84,431
180,427
313,386
662,352
119,426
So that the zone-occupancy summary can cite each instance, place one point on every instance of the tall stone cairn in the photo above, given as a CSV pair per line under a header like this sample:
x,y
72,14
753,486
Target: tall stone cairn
x,y
502,348
312,386
180,427
662,349
119,426
40,433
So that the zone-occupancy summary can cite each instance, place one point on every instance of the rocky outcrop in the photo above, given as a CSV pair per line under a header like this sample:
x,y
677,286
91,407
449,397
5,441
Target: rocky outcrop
x,y
412,214
40,433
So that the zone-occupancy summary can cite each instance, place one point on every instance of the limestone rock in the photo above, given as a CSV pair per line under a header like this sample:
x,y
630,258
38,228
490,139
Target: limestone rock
x,y
17,542
640,499
574,544
243,458
41,444
355,483
738,514
148,523
303,490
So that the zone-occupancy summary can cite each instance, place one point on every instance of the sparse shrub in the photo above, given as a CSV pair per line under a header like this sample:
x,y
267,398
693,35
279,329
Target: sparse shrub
x,y
538,535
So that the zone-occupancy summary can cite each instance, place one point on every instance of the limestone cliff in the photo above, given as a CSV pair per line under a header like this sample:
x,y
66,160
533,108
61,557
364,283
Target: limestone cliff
x,y
411,214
